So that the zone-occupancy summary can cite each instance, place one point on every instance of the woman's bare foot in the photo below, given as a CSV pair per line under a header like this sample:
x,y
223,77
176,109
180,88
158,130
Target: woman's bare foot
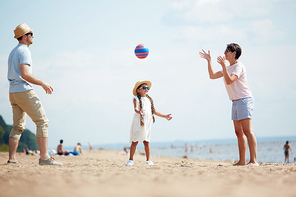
x,y
253,164
239,163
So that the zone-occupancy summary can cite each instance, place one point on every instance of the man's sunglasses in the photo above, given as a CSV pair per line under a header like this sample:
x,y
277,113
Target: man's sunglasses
x,y
144,88
30,33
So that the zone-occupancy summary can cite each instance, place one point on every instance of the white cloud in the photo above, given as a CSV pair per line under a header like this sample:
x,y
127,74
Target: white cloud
x,y
216,33
74,60
201,11
215,11
265,31
251,21
3,69
3,79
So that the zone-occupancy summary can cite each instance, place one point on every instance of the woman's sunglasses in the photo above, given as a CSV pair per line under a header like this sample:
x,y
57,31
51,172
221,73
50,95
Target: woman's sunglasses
x,y
144,88
226,51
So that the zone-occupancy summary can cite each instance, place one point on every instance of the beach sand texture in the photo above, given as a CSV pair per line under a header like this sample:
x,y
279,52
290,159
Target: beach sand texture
x,y
103,173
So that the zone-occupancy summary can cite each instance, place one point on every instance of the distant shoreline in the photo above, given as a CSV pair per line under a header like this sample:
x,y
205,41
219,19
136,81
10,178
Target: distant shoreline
x,y
120,146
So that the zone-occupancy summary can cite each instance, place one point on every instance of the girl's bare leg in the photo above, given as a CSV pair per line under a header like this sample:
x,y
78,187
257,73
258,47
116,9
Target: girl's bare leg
x,y
133,150
147,150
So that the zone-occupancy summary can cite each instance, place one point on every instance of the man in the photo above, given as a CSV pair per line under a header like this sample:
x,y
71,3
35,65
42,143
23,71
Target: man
x,y
60,149
23,98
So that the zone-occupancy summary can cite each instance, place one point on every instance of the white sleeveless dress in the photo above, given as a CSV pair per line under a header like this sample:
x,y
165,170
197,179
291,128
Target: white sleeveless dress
x,y
140,133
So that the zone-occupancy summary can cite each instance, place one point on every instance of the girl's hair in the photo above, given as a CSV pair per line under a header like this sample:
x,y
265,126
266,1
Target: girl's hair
x,y
152,106
235,47
141,106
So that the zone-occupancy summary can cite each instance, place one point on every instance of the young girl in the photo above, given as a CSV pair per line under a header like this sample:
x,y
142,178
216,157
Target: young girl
x,y
143,118
235,79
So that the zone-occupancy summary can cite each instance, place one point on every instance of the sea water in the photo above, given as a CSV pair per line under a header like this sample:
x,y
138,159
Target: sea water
x,y
269,150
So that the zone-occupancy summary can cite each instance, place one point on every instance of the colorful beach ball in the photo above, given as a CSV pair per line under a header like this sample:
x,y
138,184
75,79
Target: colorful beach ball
x,y
141,51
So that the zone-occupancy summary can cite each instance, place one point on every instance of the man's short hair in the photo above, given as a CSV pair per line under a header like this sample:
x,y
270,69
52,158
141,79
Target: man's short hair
x,y
20,38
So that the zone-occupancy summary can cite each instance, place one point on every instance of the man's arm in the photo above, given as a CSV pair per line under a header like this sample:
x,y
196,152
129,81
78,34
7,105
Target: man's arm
x,y
26,75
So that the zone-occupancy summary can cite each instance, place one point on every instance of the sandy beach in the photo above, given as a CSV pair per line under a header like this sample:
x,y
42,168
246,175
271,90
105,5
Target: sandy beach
x,y
103,173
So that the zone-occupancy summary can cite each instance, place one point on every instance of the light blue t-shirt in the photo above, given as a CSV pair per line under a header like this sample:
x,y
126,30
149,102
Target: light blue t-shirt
x,y
19,55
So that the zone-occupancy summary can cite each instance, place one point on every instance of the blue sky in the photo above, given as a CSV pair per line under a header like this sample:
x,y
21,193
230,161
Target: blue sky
x,y
85,50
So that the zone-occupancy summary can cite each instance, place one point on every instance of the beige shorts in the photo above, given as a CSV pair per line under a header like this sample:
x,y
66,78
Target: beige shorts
x,y
27,103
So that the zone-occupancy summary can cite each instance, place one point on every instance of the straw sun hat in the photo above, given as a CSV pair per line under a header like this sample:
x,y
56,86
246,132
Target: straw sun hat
x,y
21,30
149,84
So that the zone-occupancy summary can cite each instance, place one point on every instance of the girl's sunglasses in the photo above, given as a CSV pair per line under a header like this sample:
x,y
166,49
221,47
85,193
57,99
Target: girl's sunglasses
x,y
144,88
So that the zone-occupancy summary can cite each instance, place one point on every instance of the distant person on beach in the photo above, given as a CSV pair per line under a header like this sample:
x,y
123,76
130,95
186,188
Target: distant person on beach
x,y
287,148
90,146
30,152
186,148
23,99
126,149
235,80
77,150
60,149
142,121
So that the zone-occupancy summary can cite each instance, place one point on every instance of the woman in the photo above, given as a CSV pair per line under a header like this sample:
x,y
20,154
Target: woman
x,y
235,80
287,148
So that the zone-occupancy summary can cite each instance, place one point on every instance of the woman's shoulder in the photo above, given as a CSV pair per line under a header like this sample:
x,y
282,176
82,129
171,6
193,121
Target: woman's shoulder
x,y
239,64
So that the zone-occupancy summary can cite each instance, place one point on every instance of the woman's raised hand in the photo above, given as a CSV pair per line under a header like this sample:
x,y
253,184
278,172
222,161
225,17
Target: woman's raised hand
x,y
205,55
221,60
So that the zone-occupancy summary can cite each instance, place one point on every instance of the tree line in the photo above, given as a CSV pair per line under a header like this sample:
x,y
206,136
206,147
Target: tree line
x,y
28,139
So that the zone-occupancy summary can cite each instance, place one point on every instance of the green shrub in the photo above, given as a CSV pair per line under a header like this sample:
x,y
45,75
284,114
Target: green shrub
x,y
4,148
